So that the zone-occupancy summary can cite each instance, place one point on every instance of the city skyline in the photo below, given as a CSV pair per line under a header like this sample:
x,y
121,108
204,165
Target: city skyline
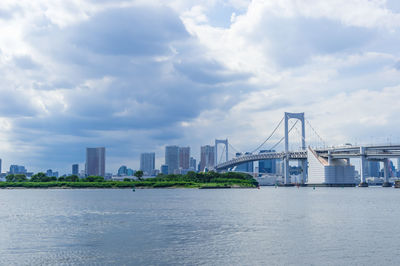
x,y
135,76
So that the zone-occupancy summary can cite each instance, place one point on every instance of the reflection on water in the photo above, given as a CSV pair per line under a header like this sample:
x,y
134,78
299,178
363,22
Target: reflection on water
x,y
271,226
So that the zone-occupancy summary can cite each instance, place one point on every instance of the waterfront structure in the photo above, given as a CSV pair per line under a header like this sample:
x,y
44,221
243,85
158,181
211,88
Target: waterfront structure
x,y
184,157
267,166
147,162
96,161
75,169
207,157
122,170
172,159
164,169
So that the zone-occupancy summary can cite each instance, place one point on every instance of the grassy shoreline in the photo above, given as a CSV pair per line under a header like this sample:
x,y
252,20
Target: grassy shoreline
x,y
191,180
119,185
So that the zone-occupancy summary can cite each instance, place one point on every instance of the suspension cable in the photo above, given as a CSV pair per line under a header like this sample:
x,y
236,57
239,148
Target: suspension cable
x,y
273,147
273,132
322,140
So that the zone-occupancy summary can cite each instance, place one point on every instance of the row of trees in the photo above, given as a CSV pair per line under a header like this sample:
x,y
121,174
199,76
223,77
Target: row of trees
x,y
41,177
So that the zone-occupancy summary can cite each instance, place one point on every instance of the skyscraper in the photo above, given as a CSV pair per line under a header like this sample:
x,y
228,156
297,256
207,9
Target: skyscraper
x,y
172,159
96,161
184,157
147,162
75,169
245,167
192,164
206,157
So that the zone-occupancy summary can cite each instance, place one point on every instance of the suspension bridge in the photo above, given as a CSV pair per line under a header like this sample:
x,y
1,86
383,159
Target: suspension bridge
x,y
320,165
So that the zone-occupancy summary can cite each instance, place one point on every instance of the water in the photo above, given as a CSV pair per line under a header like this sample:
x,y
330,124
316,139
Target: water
x,y
274,226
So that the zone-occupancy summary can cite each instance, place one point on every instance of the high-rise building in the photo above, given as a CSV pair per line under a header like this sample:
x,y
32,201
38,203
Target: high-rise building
x,y
96,161
192,164
147,162
75,169
172,159
184,157
0,166
373,169
206,157
267,166
49,172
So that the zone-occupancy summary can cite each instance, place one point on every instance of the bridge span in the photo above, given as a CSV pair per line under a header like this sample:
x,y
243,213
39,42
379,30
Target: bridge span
x,y
320,165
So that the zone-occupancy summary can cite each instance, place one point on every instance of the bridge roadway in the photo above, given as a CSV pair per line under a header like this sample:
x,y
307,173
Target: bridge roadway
x,y
370,152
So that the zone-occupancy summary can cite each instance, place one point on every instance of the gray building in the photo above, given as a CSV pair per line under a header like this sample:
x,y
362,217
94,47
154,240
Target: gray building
x,y
172,159
164,169
75,169
207,154
96,161
147,162
184,157
192,164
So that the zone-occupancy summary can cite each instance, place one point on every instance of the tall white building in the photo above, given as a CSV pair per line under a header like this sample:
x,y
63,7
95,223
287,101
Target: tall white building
x,y
147,162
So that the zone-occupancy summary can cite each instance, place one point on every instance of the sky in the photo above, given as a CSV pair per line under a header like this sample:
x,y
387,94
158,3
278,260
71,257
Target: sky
x,y
135,76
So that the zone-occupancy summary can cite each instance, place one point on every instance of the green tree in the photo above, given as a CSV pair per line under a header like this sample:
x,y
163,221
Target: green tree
x,y
138,174
10,178
72,178
127,179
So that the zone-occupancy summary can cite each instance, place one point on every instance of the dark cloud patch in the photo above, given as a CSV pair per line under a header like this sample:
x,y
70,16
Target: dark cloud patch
x,y
208,72
138,31
292,41
25,62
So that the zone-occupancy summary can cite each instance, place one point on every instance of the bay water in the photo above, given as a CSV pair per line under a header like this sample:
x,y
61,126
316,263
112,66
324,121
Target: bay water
x,y
267,226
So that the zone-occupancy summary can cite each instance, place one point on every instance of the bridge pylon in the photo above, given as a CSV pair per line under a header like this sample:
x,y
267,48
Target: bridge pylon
x,y
299,116
220,141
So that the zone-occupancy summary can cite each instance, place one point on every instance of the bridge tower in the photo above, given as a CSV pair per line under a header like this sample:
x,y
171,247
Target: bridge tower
x,y
299,116
220,141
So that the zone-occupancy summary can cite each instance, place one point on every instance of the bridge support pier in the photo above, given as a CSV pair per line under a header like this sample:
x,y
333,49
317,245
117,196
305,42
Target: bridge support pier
x,y
386,166
286,173
363,172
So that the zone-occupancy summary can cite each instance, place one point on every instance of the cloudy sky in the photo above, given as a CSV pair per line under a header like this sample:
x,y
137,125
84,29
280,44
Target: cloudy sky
x,y
134,76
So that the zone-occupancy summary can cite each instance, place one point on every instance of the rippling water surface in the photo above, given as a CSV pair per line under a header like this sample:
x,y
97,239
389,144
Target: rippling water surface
x,y
274,226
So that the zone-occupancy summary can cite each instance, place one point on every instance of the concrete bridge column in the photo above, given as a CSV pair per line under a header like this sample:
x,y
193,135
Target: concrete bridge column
x,y
363,172
386,177
286,172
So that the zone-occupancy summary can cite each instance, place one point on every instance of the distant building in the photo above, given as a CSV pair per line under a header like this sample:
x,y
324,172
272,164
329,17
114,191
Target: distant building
x,y
0,166
172,159
184,157
245,167
192,164
75,169
17,169
147,162
130,172
164,169
49,172
267,166
122,171
373,168
206,157
96,161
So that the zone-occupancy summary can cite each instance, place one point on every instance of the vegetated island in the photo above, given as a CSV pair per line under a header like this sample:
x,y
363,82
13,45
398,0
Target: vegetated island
x,y
189,180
